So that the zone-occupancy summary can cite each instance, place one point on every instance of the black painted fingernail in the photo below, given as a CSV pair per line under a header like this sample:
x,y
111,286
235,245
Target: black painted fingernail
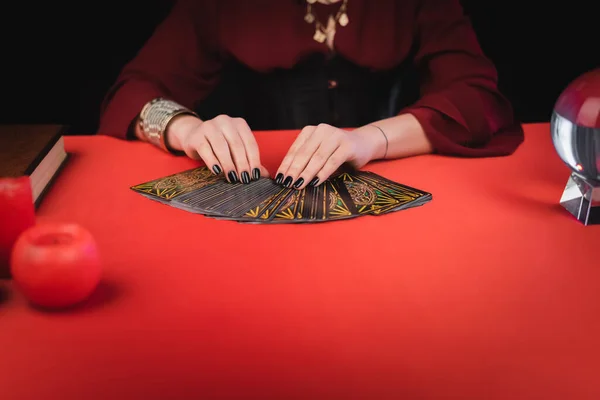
x,y
299,183
279,178
288,181
314,181
232,177
245,177
216,169
256,174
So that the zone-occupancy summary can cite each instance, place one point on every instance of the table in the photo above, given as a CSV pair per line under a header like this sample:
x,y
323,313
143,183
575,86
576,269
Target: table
x,y
491,291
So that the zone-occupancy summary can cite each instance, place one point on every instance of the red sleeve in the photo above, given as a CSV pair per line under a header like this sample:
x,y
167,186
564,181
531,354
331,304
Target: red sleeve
x,y
178,62
460,108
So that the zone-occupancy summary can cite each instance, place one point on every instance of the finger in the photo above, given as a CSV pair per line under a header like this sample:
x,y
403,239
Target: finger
x,y
264,172
318,161
319,146
236,147
220,148
199,146
287,160
252,152
339,156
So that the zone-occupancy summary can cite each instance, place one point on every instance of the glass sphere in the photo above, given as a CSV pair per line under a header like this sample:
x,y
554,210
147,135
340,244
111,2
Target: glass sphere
x,y
575,125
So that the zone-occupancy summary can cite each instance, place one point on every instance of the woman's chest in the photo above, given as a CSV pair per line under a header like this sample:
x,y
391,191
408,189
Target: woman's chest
x,y
269,34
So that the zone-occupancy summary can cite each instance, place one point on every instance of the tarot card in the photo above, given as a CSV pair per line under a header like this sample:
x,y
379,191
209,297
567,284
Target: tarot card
x,y
263,211
253,204
223,199
206,198
367,198
394,188
249,197
172,186
301,208
314,199
287,210
339,203
405,195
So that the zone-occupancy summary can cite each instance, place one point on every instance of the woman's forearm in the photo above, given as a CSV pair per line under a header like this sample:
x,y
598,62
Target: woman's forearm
x,y
405,138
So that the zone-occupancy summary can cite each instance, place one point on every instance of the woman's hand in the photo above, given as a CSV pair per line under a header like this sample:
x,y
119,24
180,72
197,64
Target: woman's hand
x,y
319,150
225,144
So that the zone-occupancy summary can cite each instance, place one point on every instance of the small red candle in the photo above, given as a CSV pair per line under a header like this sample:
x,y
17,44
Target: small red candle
x,y
56,265
17,213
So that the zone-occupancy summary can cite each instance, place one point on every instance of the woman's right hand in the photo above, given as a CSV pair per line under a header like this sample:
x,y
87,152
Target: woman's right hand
x,y
225,144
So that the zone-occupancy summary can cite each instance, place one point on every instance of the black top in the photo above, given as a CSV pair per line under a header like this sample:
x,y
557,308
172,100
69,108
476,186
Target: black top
x,y
317,90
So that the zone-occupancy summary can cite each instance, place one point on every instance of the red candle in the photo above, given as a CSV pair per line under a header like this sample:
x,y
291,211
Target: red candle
x,y
17,213
56,265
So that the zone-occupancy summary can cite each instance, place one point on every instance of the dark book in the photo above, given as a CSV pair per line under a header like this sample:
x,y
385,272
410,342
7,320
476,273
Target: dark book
x,y
36,151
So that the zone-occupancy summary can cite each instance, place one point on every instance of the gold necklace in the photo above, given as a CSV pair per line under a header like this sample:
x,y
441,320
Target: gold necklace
x,y
321,31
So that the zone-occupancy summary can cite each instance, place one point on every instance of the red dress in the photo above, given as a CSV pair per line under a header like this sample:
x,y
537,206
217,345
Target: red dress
x,y
459,105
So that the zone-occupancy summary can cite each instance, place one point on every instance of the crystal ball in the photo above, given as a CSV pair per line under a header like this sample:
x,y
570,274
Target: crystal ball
x,y
575,125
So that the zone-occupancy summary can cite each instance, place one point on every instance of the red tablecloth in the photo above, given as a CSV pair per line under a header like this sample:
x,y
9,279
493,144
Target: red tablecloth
x,y
491,291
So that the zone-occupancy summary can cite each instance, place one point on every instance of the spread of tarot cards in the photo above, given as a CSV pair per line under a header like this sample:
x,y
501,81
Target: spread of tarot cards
x,y
346,194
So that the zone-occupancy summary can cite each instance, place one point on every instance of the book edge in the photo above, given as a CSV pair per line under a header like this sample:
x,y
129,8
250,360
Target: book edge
x,y
61,166
47,148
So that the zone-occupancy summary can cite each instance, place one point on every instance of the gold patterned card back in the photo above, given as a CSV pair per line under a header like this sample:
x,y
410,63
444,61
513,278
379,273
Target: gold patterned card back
x,y
171,186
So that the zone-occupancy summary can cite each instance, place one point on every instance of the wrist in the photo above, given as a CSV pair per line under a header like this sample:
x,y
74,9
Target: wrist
x,y
178,129
155,118
138,132
371,141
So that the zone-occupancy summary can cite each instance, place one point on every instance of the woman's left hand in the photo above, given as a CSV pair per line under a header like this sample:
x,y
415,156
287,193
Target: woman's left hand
x,y
319,150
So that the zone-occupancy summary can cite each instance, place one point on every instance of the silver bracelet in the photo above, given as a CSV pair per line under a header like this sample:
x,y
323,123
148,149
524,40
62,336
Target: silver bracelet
x,y
386,139
155,118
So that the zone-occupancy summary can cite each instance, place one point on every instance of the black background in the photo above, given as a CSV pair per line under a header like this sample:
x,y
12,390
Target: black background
x,y
59,59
